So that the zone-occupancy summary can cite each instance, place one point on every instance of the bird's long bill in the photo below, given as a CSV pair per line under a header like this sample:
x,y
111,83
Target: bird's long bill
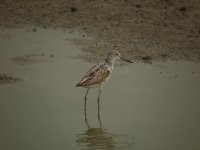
x,y
125,60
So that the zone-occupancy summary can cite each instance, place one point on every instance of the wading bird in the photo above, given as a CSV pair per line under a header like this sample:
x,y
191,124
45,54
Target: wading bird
x,y
100,73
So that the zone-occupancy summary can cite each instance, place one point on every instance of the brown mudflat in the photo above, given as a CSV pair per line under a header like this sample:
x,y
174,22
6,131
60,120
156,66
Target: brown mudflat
x,y
158,30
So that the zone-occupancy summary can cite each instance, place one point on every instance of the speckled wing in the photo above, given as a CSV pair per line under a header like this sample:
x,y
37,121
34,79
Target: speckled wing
x,y
95,76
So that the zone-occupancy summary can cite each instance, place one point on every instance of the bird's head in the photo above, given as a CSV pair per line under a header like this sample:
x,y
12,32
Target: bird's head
x,y
113,55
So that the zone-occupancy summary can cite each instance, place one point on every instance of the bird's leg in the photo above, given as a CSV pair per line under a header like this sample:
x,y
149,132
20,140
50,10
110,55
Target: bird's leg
x,y
99,119
98,100
86,121
100,89
86,96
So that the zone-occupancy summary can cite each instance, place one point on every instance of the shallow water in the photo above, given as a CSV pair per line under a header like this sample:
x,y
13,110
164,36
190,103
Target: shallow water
x,y
142,106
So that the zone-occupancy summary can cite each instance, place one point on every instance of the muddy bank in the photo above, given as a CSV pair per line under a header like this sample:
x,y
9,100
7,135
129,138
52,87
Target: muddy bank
x,y
140,30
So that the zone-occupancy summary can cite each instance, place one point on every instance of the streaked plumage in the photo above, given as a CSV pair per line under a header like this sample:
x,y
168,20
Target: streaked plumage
x,y
96,76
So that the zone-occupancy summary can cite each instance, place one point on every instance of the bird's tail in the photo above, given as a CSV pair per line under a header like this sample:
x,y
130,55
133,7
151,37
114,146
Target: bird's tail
x,y
77,85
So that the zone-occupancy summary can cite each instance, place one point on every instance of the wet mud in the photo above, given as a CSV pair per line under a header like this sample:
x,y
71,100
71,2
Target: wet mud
x,y
158,30
33,58
7,79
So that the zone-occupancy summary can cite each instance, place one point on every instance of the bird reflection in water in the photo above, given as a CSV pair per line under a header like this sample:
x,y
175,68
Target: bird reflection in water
x,y
100,138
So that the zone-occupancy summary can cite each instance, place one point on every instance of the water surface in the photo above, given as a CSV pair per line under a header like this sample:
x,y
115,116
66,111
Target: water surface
x,y
142,107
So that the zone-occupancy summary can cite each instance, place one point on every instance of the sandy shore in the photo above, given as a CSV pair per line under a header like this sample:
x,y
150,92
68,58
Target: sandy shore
x,y
141,30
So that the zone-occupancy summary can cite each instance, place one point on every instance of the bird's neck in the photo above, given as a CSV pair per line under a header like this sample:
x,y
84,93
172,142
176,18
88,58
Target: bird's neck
x,y
110,62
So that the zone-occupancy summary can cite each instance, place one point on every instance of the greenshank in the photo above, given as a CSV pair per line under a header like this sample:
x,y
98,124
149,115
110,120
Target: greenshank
x,y
100,73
